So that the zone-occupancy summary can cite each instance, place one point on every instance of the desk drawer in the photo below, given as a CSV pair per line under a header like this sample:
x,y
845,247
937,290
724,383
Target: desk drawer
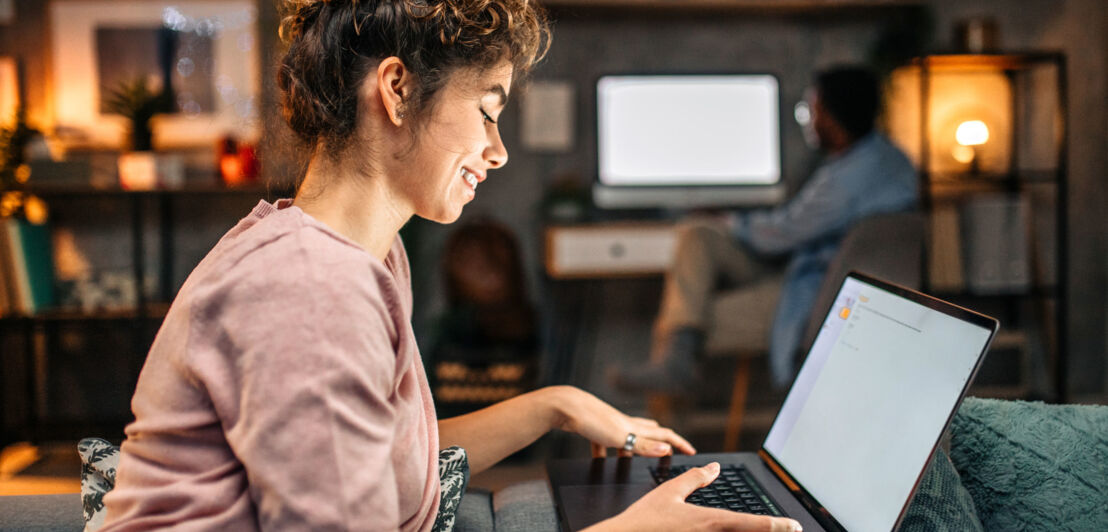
x,y
615,250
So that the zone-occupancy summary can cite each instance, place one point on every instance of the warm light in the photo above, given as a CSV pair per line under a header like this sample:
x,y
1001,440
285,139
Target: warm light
x,y
10,202
35,209
963,154
22,173
972,133
230,167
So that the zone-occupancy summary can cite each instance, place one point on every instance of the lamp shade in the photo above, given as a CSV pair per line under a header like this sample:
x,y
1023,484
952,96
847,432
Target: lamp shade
x,y
965,109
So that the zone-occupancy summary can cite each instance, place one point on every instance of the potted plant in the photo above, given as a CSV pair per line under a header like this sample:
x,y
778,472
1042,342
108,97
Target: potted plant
x,y
138,101
15,200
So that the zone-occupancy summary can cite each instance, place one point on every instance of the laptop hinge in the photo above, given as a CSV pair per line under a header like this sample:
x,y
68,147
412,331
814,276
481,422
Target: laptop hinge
x,y
777,471
817,511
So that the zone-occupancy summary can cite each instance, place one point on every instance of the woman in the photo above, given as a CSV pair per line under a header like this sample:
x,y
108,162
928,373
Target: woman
x,y
285,390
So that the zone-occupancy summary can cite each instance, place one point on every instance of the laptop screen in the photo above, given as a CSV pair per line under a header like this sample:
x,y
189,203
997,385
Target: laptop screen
x,y
872,399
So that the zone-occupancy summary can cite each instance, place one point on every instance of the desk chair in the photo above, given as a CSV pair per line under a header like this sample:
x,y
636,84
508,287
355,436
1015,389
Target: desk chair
x,y
889,246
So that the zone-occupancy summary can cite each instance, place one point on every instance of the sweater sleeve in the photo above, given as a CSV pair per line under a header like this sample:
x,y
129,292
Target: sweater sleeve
x,y
307,403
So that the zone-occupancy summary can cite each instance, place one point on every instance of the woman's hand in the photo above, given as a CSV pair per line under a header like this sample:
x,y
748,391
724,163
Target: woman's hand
x,y
585,414
665,508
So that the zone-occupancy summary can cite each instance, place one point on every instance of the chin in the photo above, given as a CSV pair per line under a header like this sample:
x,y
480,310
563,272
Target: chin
x,y
447,217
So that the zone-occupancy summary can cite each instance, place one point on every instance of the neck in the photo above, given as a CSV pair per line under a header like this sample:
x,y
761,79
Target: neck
x,y
355,202
840,144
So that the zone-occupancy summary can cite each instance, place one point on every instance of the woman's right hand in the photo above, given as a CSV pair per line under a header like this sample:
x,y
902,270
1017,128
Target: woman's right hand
x,y
664,508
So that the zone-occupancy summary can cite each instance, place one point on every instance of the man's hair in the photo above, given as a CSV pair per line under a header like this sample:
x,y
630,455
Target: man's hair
x,y
852,97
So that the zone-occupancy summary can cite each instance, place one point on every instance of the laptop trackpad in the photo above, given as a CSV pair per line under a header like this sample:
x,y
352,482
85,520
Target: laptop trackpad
x,y
588,505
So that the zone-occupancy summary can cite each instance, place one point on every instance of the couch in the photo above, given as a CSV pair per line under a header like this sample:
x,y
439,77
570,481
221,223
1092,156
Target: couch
x,y
1008,465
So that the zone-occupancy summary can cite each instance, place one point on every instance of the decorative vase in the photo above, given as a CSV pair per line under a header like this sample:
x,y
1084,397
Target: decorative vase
x,y
147,170
138,170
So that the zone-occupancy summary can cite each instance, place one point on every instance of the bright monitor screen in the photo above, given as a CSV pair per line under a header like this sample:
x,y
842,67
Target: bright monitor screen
x,y
676,135
872,398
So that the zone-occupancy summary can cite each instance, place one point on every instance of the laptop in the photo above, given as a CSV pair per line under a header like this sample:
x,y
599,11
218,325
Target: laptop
x,y
854,435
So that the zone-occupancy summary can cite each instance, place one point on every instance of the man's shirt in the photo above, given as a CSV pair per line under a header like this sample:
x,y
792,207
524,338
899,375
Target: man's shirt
x,y
872,176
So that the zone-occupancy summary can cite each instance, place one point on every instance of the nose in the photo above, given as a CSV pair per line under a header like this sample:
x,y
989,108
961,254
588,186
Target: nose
x,y
496,154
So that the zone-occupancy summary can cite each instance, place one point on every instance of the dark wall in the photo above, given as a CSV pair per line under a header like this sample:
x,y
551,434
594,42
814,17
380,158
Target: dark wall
x,y
1080,29
590,42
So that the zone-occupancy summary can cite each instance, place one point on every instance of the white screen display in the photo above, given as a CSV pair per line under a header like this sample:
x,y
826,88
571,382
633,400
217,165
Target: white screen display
x,y
688,130
871,401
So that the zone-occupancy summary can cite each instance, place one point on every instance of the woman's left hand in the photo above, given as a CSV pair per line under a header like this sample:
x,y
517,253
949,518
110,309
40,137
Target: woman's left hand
x,y
604,426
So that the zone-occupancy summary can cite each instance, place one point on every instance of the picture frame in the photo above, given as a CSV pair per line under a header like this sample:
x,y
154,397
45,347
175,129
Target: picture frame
x,y
9,91
230,25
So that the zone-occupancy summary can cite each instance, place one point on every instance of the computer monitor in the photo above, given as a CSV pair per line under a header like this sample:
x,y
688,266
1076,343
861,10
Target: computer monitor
x,y
675,141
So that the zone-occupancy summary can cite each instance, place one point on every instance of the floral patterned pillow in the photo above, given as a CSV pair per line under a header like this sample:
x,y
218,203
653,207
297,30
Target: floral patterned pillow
x,y
99,458
453,478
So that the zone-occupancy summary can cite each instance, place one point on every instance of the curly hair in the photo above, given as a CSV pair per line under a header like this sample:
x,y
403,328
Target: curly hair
x,y
334,44
851,94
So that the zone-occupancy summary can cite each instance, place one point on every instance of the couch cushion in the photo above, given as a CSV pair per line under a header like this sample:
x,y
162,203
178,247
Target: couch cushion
x,y
41,513
99,459
527,506
475,512
1033,466
941,502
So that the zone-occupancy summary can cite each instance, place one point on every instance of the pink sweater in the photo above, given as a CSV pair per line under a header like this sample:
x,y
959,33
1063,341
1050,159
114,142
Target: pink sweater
x,y
283,391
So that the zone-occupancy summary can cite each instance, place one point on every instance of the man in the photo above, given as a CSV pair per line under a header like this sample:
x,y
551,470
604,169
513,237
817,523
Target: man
x,y
863,174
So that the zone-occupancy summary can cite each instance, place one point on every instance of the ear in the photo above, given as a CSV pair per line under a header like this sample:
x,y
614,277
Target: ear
x,y
394,82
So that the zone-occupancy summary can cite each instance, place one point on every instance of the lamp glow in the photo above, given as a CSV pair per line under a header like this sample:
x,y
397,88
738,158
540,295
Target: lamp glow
x,y
963,154
972,133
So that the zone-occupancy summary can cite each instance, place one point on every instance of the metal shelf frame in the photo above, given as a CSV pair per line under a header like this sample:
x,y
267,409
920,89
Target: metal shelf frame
x,y
937,186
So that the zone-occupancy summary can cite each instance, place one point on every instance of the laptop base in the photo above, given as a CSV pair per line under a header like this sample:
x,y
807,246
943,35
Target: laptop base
x,y
589,491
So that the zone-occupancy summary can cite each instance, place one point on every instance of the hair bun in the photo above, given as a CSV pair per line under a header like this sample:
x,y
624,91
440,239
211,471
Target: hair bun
x,y
297,15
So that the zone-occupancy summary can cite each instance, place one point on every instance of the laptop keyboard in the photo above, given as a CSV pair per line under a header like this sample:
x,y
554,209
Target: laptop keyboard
x,y
734,489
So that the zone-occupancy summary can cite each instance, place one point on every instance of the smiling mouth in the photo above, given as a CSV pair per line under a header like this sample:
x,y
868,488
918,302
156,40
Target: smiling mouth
x,y
470,178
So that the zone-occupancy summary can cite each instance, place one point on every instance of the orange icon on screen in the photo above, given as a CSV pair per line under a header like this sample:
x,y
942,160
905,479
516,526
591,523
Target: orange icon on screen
x,y
844,313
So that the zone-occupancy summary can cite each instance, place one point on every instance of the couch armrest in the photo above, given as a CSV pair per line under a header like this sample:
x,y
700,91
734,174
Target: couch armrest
x,y
1033,466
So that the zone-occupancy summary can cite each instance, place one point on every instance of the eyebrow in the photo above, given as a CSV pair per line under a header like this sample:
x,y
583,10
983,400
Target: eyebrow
x,y
499,91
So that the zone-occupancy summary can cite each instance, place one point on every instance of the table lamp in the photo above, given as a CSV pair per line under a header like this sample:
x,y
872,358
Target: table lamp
x,y
969,136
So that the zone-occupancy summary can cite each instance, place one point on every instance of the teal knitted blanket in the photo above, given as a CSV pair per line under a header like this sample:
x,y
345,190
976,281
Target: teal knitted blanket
x,y
1033,466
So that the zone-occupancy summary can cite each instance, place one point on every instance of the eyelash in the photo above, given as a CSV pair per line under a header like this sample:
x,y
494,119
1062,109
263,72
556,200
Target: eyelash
x,y
487,118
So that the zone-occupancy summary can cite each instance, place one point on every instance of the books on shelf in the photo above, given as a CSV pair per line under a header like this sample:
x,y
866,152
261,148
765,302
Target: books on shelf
x,y
982,246
997,232
945,258
7,274
27,267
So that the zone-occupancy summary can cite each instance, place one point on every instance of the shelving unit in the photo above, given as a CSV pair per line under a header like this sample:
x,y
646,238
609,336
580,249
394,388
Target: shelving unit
x,y
30,345
1022,170
732,5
